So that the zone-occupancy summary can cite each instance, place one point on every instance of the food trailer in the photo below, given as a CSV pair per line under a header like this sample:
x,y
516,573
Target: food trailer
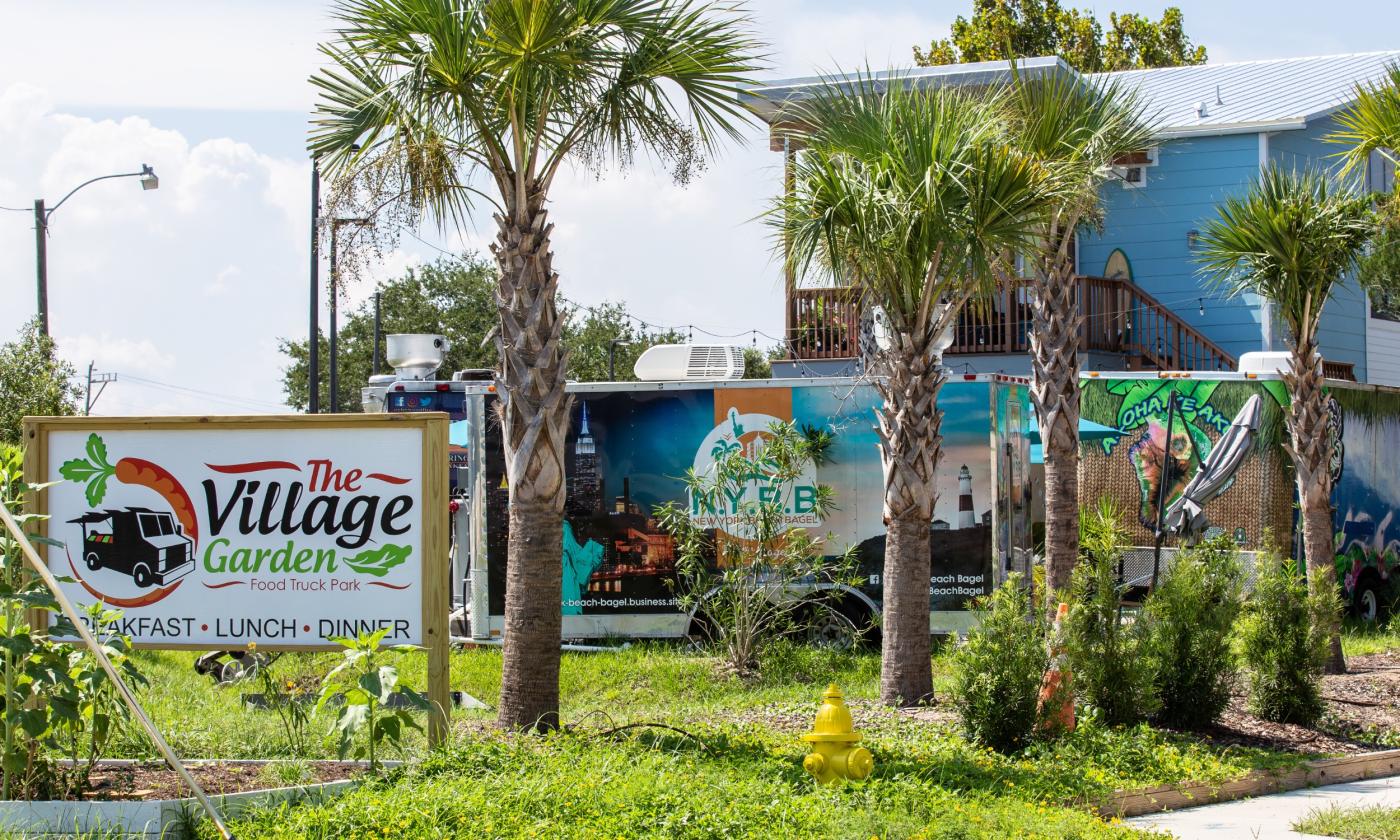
x,y
1147,468
631,444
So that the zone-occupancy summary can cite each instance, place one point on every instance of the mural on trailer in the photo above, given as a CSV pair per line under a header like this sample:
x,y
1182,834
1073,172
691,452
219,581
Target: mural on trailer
x,y
1365,426
1154,448
1364,429
628,453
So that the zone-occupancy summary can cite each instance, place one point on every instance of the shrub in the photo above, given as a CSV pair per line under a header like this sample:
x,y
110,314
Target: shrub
x,y
997,673
1110,672
1283,637
1187,623
740,564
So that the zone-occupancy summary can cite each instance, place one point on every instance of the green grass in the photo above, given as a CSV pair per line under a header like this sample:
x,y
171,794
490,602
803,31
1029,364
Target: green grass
x,y
739,776
1358,823
1360,639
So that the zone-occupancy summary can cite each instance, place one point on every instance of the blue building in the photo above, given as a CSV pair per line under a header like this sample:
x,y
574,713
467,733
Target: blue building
x,y
1145,305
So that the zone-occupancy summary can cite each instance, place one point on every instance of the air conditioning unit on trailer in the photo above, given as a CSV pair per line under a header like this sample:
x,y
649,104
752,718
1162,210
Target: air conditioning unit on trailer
x,y
669,362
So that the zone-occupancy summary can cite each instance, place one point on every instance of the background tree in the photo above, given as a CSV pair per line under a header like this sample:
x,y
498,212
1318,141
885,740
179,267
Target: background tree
x,y
758,362
1003,29
914,198
1370,130
456,298
451,297
1290,240
418,96
34,381
1077,129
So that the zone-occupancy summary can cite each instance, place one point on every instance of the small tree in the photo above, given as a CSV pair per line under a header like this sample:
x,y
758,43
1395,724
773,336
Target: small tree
x,y
1188,621
742,568
1111,673
1283,636
997,673
1290,240
34,381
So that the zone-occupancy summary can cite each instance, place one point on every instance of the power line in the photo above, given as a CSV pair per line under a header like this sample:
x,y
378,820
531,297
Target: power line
x,y
229,399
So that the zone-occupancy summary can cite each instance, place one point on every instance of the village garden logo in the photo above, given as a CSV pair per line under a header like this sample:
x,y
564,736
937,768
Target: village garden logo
x,y
748,434
136,555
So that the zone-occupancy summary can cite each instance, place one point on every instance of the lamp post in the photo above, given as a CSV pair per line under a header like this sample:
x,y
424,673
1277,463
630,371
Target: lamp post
x,y
334,383
313,346
42,214
612,357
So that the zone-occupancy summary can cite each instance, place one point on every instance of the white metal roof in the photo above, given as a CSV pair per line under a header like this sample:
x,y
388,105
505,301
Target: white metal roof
x,y
1272,95
1277,94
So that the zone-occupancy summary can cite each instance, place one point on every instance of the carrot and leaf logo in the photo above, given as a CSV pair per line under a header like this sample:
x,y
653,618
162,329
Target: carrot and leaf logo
x,y
94,470
378,561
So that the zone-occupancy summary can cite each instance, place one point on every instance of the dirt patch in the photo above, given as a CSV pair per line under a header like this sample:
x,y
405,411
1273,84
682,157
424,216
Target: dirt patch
x,y
865,714
1363,714
156,781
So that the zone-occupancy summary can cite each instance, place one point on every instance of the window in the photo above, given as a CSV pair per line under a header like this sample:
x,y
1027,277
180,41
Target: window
x,y
156,525
1131,168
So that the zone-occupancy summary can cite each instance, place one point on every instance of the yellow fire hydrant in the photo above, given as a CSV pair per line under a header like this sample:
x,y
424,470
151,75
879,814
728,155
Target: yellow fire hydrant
x,y
833,739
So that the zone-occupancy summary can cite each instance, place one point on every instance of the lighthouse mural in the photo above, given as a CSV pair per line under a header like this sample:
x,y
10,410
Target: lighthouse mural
x,y
966,516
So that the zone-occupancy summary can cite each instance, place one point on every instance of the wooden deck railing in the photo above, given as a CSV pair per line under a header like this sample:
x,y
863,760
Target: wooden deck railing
x,y
1119,317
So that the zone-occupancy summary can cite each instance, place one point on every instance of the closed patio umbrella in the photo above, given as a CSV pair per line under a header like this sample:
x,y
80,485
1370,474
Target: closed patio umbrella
x,y
1186,516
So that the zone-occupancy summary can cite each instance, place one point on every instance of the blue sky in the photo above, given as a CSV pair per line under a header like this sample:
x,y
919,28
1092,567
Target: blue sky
x,y
191,286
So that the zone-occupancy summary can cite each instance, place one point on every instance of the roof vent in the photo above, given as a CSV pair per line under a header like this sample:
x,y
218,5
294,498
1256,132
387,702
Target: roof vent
x,y
665,362
1202,111
416,356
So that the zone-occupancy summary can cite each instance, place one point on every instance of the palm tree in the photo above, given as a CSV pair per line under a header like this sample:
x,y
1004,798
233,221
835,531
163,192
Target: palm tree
x,y
1079,129
426,94
1289,240
1372,122
913,198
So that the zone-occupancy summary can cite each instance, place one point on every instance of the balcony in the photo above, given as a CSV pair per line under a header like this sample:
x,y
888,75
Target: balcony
x,y
1119,317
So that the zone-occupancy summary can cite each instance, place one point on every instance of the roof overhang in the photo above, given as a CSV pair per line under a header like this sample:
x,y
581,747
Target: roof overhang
x,y
1219,129
770,101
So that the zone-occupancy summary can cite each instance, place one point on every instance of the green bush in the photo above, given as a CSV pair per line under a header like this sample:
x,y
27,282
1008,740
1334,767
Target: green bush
x,y
1283,638
1187,623
997,673
1111,673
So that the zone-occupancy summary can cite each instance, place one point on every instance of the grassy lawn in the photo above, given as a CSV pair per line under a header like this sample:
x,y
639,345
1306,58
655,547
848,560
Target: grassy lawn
x,y
737,773
1360,639
1353,823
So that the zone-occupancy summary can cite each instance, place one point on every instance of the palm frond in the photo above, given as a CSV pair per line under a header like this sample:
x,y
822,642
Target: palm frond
x,y
1371,123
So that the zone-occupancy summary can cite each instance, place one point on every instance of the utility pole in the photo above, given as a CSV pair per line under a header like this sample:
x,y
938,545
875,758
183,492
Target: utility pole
x,y
374,370
313,377
41,251
99,379
335,295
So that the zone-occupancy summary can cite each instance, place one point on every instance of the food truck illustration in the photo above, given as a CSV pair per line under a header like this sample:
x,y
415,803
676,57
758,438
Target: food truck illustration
x,y
146,544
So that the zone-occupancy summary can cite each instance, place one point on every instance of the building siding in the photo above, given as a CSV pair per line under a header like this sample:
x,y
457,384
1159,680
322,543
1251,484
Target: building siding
x,y
1342,335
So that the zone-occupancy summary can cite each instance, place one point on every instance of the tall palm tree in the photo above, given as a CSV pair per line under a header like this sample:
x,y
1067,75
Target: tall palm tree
x,y
1078,128
1372,122
1290,240
427,94
913,198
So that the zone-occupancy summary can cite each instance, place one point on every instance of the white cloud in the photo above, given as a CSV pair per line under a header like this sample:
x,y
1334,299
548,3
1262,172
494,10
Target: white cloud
x,y
190,284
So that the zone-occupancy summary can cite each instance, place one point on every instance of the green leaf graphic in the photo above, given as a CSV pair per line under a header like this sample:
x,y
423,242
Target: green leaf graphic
x,y
378,561
94,471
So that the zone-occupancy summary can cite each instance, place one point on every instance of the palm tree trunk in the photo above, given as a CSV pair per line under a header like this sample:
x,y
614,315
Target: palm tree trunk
x,y
534,417
1054,341
910,445
1310,449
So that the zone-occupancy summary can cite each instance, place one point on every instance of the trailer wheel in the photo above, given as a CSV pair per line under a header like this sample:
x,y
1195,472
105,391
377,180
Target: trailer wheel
x,y
93,561
1366,600
141,574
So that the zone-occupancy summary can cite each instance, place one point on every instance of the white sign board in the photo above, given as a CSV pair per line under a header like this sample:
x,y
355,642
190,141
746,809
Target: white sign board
x,y
218,533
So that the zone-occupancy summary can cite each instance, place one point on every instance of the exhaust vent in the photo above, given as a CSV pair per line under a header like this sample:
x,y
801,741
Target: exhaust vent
x,y
671,362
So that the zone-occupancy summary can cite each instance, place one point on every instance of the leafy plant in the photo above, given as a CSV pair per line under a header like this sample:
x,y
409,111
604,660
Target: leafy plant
x,y
34,381
743,567
368,683
1188,621
1112,674
997,673
1283,638
85,709
289,700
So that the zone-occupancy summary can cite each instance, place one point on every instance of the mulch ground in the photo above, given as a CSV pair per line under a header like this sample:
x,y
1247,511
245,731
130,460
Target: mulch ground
x,y
156,781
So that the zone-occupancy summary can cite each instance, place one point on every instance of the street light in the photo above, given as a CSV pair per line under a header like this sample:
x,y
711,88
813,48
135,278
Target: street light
x,y
336,225
149,181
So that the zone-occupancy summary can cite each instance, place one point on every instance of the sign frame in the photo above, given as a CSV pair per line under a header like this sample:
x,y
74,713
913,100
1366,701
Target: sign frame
x,y
435,559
